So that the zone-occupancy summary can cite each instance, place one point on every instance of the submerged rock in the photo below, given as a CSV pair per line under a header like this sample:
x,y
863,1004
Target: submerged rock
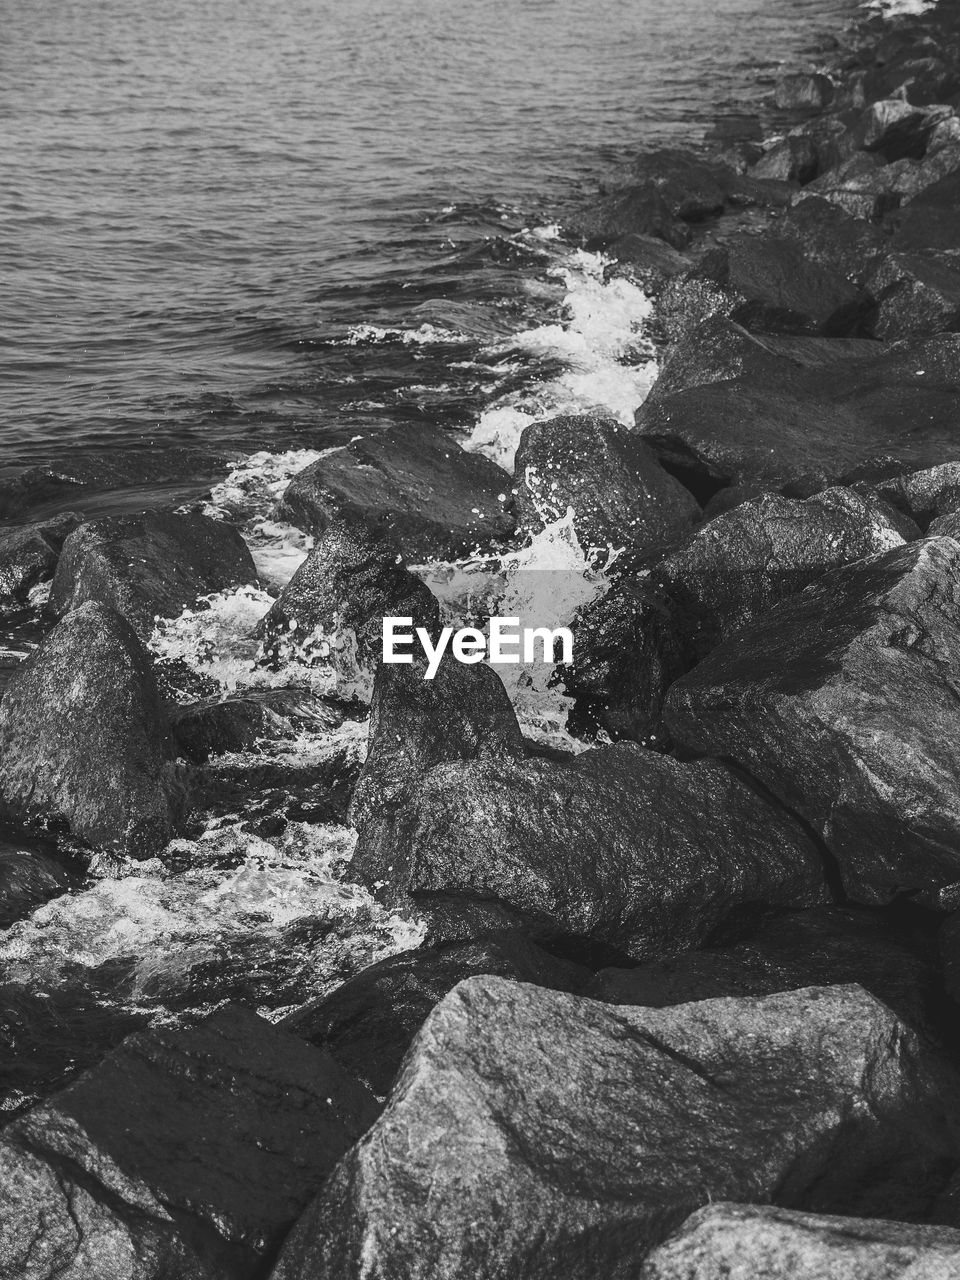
x,y
538,1134
619,493
83,739
742,1242
29,555
185,1153
419,485
843,701
152,564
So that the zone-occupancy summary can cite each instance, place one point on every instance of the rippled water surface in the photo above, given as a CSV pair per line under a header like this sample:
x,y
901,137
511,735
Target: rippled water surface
x,y
199,198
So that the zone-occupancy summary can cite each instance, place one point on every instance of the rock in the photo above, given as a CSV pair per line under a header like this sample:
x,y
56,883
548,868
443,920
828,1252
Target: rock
x,y
645,259
185,1153
763,283
947,526
805,427
620,846
895,129
619,493
435,498
916,296
843,702
211,727
28,877
792,159
692,188
862,186
83,740
28,556
929,222
152,564
538,1134
834,239
741,1242
337,600
803,93
369,1022
635,210
922,495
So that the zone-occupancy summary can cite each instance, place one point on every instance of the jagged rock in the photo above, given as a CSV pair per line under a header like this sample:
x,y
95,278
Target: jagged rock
x,y
435,498
338,598
922,495
620,846
152,564
929,222
917,295
635,210
651,261
843,702
28,556
28,877
203,729
862,185
833,238
542,1135
742,1242
792,159
692,188
946,526
895,129
782,424
369,1022
803,92
83,739
185,1153
619,493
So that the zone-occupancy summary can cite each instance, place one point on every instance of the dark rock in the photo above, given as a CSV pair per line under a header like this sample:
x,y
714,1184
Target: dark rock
x,y
727,1241
895,129
149,565
638,210
922,495
621,846
619,493
764,283
203,729
946,526
809,426
28,877
83,739
834,239
538,1134
651,261
948,943
862,186
350,581
930,220
369,1022
435,498
792,159
29,555
184,1153
803,93
692,188
916,296
843,701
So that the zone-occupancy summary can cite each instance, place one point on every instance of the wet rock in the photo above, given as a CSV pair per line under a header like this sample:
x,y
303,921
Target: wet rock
x,y
619,493
740,1242
653,262
83,739
350,581
895,129
638,210
692,188
917,295
843,702
152,564
834,239
369,1022
862,185
781,424
185,1153
539,1134
29,555
28,877
435,498
763,283
803,93
922,495
621,846
929,222
203,729
792,159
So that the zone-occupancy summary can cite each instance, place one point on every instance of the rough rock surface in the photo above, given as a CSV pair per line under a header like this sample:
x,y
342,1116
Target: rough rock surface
x,y
150,564
930,221
639,209
183,1154
923,495
917,295
203,729
434,497
83,739
28,556
28,877
620,846
542,1135
743,1242
619,493
843,701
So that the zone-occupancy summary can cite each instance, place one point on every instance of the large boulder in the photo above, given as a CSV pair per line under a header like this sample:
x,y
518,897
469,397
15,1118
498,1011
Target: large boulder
x,y
538,1134
930,221
149,565
185,1153
742,1242
619,493
922,495
638,209
29,555
619,846
434,497
84,741
369,1022
917,295
843,701
834,239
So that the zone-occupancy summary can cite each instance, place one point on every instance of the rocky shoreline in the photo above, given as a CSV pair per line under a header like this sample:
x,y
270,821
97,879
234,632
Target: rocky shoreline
x,y
685,999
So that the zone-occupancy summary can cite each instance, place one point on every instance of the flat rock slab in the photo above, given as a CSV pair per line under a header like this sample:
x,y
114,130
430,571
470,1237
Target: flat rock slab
x,y
743,1242
843,701
184,1153
779,425
542,1135
435,498
84,741
152,564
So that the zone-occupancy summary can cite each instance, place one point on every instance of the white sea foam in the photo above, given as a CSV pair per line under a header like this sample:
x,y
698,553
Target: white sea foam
x,y
900,8
423,335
